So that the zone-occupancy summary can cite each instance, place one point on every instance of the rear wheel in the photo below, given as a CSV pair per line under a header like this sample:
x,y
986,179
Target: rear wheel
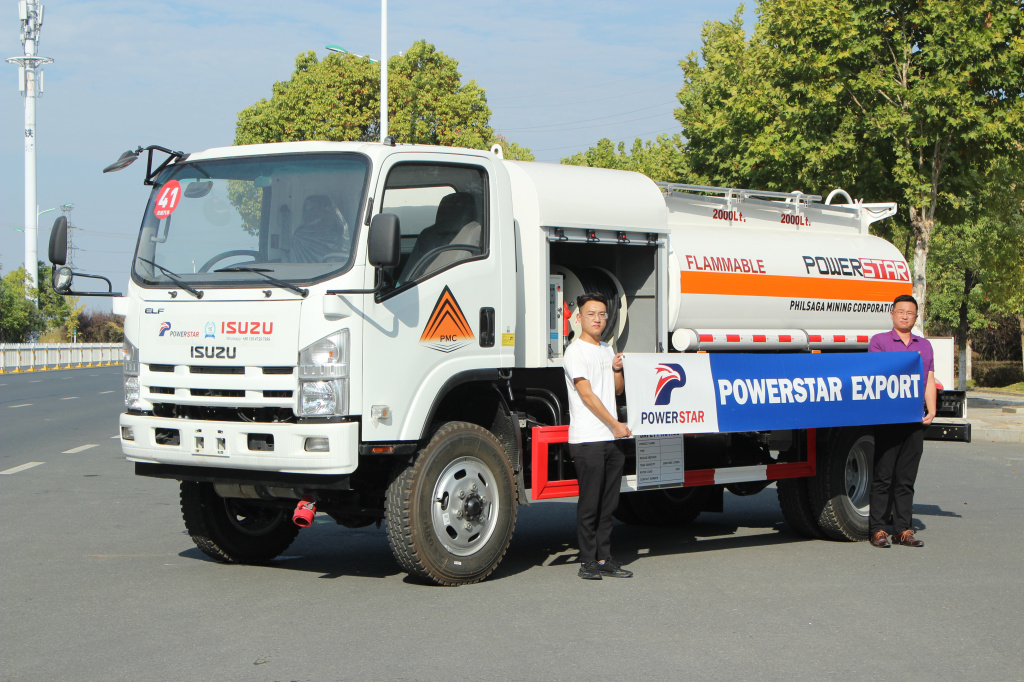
x,y
795,501
232,530
841,490
450,514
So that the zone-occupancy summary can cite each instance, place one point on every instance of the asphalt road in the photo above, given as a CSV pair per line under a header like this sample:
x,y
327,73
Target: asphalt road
x,y
98,581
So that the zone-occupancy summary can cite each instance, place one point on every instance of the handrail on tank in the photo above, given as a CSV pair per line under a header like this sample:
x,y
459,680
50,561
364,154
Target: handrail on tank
x,y
833,193
742,193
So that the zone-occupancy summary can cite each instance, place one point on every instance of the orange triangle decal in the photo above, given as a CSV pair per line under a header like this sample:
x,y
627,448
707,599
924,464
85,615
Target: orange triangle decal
x,y
447,329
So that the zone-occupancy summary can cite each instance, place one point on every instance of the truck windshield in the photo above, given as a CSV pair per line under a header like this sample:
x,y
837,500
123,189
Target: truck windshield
x,y
224,222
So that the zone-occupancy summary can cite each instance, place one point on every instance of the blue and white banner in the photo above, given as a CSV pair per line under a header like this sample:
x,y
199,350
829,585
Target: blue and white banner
x,y
723,392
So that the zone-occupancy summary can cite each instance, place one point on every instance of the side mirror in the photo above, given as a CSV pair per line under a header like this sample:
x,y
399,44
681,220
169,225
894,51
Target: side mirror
x,y
125,160
384,244
62,280
59,242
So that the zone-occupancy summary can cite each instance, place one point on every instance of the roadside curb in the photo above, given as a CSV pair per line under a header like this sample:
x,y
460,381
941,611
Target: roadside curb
x,y
54,369
998,435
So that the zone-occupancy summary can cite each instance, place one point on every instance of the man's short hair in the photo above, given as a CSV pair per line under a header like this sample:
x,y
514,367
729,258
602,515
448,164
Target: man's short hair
x,y
905,298
591,296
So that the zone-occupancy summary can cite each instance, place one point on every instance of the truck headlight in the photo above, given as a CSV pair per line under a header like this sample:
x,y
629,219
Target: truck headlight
x,y
323,376
130,373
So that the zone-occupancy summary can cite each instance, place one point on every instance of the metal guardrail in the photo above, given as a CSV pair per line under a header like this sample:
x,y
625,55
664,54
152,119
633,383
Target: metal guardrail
x,y
36,357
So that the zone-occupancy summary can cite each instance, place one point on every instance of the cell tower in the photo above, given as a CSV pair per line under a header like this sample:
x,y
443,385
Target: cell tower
x,y
65,210
30,83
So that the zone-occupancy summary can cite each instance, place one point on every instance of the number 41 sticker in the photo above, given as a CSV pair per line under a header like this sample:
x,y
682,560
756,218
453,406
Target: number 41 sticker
x,y
167,199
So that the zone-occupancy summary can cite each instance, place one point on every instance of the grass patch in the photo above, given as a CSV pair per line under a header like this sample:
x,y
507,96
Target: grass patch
x,y
1012,388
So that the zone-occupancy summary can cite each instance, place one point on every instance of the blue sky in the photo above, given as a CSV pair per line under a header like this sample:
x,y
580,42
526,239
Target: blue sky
x,y
559,76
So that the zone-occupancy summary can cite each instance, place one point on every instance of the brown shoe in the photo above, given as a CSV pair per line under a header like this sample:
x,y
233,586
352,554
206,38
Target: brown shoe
x,y
907,538
880,539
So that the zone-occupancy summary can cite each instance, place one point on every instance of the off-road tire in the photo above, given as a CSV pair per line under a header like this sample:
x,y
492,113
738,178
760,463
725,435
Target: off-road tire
x,y
795,501
841,490
426,536
233,530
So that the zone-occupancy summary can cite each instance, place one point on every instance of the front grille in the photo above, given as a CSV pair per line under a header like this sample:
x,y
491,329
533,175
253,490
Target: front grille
x,y
200,369
165,390
217,393
161,368
278,370
263,415
277,394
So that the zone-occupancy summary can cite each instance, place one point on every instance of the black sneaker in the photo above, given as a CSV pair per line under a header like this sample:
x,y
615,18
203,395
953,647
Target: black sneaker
x,y
613,569
589,570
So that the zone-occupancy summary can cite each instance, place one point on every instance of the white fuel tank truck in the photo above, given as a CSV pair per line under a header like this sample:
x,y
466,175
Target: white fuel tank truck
x,y
374,332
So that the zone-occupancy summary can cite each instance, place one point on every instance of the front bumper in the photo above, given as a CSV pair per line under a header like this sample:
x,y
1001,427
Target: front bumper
x,y
230,445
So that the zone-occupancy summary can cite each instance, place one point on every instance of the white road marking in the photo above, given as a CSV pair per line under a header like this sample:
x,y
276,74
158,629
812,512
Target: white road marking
x,y
15,470
114,437
80,448
35,381
22,405
71,397
105,392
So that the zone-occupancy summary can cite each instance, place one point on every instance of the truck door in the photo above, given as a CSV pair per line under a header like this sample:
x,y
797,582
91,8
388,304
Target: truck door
x,y
438,321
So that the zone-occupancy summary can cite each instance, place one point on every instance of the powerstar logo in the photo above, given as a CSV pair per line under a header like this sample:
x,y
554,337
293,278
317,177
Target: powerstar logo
x,y
670,376
164,326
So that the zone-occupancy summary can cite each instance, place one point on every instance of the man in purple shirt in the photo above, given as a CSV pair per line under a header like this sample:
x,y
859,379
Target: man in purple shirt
x,y
898,447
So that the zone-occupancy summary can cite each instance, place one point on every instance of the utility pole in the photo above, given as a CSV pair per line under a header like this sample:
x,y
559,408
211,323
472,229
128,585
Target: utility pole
x,y
30,83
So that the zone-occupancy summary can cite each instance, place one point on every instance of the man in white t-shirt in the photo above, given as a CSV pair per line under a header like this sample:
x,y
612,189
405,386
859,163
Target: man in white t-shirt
x,y
593,376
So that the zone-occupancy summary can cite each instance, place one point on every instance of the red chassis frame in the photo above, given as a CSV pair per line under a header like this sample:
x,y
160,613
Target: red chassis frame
x,y
544,489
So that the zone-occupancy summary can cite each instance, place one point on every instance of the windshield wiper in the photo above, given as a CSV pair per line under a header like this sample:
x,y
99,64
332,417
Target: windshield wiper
x,y
174,278
273,280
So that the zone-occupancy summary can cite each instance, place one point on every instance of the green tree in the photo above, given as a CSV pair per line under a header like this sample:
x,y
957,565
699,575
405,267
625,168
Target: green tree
x,y
59,312
101,327
980,270
660,159
339,99
912,100
19,315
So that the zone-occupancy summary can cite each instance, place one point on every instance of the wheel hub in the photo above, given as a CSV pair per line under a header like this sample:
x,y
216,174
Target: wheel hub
x,y
857,476
464,497
473,507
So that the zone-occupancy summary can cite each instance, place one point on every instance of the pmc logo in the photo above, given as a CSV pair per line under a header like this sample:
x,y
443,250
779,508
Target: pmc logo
x,y
669,377
164,326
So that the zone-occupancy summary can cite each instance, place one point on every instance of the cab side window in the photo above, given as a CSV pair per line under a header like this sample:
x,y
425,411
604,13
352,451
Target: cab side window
x,y
443,213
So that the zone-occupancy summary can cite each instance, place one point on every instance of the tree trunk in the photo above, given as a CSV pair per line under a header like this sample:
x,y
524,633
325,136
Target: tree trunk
x,y
970,359
922,228
963,328
1021,319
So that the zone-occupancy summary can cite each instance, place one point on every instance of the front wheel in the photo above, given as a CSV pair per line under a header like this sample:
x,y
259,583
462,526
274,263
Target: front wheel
x,y
840,493
450,514
234,530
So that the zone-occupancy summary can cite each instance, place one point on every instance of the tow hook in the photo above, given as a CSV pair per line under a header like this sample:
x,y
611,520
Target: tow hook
x,y
304,512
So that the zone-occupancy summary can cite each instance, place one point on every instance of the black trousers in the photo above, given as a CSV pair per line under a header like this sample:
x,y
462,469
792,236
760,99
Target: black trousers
x,y
898,449
599,471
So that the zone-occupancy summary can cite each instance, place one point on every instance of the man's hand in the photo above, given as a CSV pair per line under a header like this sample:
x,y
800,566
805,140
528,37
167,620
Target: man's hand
x,y
617,362
620,430
927,419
